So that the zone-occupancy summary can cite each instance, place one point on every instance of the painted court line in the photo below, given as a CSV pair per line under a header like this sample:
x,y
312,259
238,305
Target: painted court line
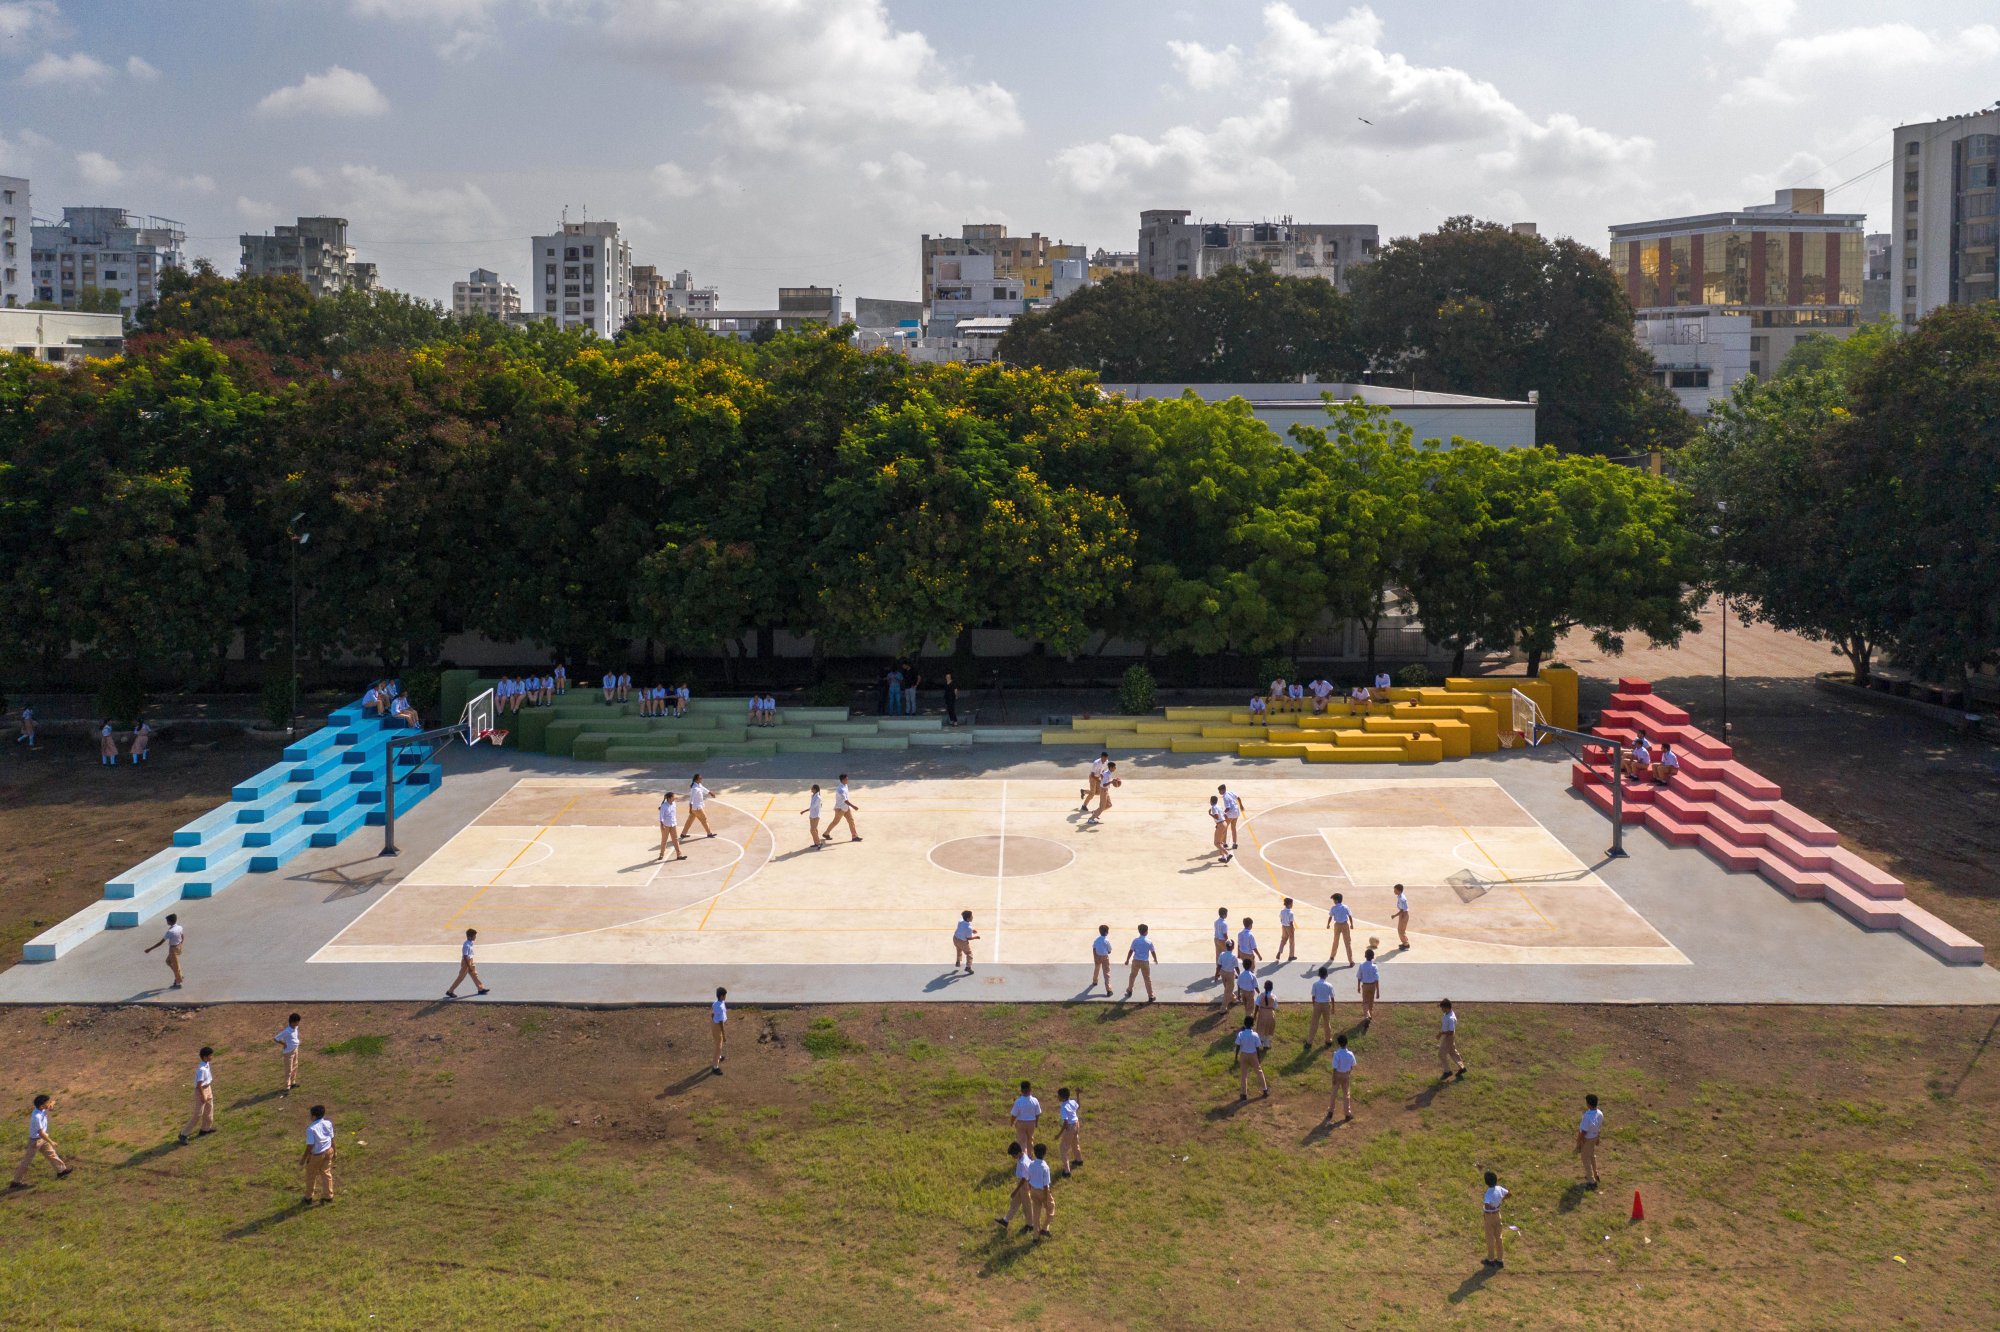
x,y
743,852
1000,872
510,864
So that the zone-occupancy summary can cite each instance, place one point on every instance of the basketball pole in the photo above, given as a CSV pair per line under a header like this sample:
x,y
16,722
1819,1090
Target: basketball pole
x,y
447,733
1617,851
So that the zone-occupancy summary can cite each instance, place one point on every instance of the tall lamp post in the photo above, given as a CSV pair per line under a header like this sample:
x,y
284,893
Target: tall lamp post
x,y
1722,511
297,539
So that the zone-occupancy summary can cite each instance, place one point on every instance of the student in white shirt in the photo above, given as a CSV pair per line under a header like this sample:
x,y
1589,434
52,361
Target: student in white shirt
x,y
1666,765
1257,707
1111,779
843,810
1100,961
1402,920
318,1156
1342,1064
1357,700
1341,918
1278,687
811,811
201,1122
1024,1114
107,745
1588,1130
288,1043
1221,938
698,806
40,1144
1018,1201
1489,1205
718,1022
1287,933
28,729
1448,1042
1322,998
1141,955
1246,991
1041,1196
1639,761
610,686
681,696
1249,1059
1246,946
172,941
756,717
624,686
1070,1116
562,679
1227,969
962,936
1322,689
1221,839
1368,980
670,828
142,741
1232,810
467,968
1267,1013
1094,781
1382,680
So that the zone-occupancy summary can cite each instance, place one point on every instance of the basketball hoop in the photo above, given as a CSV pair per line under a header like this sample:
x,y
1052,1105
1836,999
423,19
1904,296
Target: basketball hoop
x,y
496,737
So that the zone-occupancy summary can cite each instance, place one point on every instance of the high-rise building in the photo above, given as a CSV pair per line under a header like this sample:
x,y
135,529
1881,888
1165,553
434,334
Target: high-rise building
x,y
655,296
315,250
483,293
104,250
682,297
1946,216
582,277
1170,246
1792,267
16,244
1026,258
649,292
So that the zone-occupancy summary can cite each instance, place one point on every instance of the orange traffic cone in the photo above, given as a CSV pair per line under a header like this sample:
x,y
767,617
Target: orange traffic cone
x,y
1638,1208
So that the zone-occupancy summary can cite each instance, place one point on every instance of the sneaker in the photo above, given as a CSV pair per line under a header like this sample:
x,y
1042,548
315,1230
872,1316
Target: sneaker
x,y
67,1171
305,1202
1460,1077
485,990
13,1184
184,1139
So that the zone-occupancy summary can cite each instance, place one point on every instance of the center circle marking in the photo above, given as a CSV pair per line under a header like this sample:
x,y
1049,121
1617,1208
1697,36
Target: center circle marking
x,y
1012,856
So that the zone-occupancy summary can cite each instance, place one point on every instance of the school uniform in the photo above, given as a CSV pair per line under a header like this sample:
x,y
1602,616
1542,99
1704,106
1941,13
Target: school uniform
x,y
1071,1118
288,1042
1402,917
1246,985
961,936
1490,1215
39,1144
1448,1044
107,745
142,742
319,1158
202,1120
1591,1128
1042,1201
1026,1113
1142,951
1342,1065
718,1022
1286,921
1221,933
1246,946
1368,978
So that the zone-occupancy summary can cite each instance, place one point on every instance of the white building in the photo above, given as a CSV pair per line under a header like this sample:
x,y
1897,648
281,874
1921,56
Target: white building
x,y
104,249
965,286
483,293
1502,422
315,250
61,336
798,308
1170,246
16,222
582,277
1699,353
1945,213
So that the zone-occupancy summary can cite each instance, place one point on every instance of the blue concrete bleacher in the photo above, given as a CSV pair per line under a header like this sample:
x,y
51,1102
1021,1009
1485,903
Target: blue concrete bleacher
x,y
324,786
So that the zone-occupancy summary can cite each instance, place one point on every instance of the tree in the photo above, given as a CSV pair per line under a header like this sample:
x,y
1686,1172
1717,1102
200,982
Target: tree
x,y
1477,308
1922,461
1792,539
1244,325
1842,356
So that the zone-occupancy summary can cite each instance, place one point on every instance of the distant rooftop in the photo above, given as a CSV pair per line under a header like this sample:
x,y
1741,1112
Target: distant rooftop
x,y
1294,395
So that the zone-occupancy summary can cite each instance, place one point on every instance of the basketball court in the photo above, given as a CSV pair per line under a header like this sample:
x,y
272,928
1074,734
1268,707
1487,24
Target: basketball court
x,y
564,870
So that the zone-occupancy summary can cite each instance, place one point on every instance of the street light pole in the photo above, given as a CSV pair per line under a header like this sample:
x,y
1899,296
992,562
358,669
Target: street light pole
x,y
1722,509
297,539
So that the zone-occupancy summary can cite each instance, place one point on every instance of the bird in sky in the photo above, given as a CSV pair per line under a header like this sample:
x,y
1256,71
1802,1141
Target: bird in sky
x,y
1364,120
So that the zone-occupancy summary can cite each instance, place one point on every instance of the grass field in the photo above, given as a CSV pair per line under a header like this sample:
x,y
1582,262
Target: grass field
x,y
521,1167
509,1167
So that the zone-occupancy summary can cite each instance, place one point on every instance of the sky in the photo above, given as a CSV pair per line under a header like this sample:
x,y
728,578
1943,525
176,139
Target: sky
x,y
760,143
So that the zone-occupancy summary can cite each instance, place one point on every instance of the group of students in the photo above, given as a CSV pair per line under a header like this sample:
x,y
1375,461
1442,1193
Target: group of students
x,y
1284,696
385,698
1034,1178
654,700
763,710
316,1160
1643,762
511,693
107,742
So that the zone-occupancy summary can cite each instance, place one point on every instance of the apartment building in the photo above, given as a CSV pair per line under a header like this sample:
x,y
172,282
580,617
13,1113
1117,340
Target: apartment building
x,y
483,293
1947,198
315,250
16,222
99,249
582,276
1171,246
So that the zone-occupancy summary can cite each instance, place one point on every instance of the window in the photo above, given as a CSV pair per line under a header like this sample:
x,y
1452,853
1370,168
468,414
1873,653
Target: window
x,y
1910,180
1757,343
549,253
111,274
1910,235
570,254
569,273
1756,367
590,272
1690,379
1911,262
590,251
1909,291
569,307
1911,149
1910,206
572,289
999,293
589,307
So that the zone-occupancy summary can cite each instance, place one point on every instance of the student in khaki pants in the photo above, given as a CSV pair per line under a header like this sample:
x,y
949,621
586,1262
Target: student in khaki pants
x,y
201,1121
39,1144
1588,1130
318,1156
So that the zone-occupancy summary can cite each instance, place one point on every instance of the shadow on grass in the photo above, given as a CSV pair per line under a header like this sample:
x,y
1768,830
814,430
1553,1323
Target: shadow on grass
x,y
244,1103
1471,1285
1119,1011
1572,1195
1003,1251
686,1084
1299,1062
264,1223
1422,1100
1207,1022
144,1155
1231,1108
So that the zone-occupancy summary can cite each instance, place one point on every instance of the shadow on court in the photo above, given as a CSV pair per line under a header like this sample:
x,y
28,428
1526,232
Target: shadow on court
x,y
945,982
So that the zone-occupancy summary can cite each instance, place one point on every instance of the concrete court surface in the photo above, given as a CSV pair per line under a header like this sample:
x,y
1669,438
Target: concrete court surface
x,y
553,861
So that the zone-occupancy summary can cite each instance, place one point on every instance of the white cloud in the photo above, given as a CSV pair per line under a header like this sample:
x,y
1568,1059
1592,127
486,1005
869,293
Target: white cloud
x,y
1747,20
907,185
467,43
805,74
677,182
1328,100
338,92
98,170
1798,68
255,211
384,206
427,11
1204,69
141,69
199,183
58,69
31,21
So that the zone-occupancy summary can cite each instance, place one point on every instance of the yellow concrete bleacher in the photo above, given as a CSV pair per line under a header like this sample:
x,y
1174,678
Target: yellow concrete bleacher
x,y
1466,715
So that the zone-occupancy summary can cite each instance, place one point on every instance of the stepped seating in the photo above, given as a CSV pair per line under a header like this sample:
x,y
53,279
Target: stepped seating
x,y
1740,819
325,786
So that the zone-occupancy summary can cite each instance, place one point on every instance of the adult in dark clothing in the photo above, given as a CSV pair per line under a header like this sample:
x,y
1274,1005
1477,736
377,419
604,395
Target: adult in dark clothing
x,y
950,701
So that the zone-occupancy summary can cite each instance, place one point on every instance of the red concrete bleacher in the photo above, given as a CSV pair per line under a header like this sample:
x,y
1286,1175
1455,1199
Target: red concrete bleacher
x,y
1741,819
